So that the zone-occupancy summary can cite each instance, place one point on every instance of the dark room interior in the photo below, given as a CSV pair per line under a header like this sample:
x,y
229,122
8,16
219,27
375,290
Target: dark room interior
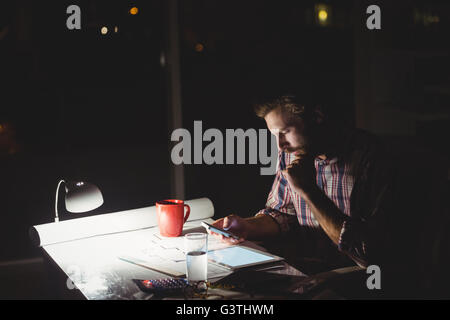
x,y
100,103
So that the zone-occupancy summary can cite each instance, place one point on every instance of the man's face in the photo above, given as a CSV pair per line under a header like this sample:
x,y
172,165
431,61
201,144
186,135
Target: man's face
x,y
291,133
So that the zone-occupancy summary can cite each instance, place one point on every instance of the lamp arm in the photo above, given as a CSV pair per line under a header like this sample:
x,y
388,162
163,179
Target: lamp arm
x,y
56,201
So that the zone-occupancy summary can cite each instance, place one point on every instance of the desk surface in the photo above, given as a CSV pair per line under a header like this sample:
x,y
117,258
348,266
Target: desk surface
x,y
92,265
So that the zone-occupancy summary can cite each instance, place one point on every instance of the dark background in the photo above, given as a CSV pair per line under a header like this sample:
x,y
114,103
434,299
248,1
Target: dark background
x,y
80,105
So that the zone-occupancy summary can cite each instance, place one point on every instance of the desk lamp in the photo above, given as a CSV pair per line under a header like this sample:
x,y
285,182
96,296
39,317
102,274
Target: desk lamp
x,y
80,197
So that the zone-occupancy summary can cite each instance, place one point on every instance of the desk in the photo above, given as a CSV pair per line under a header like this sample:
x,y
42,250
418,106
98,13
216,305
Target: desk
x,y
92,264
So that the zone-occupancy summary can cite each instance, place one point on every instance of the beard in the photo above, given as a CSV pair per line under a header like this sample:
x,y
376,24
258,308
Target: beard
x,y
306,149
299,151
309,143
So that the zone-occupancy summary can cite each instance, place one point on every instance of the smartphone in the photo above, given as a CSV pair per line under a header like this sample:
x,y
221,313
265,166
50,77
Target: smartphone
x,y
219,231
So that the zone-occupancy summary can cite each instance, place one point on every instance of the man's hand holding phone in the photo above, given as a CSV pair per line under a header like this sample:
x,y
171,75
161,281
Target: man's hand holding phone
x,y
233,224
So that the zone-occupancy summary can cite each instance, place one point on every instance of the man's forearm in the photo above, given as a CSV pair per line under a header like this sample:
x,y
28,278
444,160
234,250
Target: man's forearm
x,y
262,226
326,212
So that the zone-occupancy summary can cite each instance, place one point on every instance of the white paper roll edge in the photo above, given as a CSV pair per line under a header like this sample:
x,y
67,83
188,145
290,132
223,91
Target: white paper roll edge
x,y
129,220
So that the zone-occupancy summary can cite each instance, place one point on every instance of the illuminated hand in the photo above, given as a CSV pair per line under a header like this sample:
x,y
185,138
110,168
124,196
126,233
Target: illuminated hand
x,y
301,174
234,224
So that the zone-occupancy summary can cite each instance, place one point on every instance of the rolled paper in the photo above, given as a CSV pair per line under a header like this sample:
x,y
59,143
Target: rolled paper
x,y
109,223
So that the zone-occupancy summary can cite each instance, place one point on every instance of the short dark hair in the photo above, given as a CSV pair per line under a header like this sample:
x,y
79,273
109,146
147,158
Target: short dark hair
x,y
288,102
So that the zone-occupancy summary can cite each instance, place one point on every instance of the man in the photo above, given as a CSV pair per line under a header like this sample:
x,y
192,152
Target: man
x,y
343,194
331,185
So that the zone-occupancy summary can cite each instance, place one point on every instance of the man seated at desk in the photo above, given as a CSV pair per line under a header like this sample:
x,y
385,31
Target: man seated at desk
x,y
332,197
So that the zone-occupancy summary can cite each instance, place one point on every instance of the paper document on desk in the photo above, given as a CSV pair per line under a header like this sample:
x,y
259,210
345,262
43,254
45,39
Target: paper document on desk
x,y
157,240
111,223
167,255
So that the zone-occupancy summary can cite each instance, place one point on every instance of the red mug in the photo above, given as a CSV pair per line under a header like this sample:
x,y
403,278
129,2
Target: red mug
x,y
171,217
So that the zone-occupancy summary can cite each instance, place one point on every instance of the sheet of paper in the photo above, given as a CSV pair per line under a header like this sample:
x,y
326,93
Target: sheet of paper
x,y
168,255
110,223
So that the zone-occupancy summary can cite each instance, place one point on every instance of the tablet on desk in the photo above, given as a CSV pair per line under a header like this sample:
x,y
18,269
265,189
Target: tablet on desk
x,y
237,257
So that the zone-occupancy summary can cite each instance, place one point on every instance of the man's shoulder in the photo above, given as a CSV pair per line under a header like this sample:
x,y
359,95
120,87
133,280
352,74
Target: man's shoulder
x,y
364,150
360,138
362,142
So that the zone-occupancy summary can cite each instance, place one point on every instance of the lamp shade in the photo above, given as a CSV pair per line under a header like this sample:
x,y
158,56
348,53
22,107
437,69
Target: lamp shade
x,y
82,197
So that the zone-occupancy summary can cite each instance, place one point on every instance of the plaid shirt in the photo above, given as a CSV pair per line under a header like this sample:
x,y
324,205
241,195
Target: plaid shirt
x,y
286,206
356,185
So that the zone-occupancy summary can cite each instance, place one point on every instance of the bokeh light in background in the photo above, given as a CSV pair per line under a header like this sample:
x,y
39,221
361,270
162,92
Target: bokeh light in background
x,y
199,47
134,11
323,14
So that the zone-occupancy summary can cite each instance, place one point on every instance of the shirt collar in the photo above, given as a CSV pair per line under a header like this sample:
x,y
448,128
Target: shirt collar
x,y
325,162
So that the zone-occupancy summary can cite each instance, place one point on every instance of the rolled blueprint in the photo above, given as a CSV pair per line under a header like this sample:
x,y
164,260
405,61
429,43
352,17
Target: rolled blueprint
x,y
122,221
